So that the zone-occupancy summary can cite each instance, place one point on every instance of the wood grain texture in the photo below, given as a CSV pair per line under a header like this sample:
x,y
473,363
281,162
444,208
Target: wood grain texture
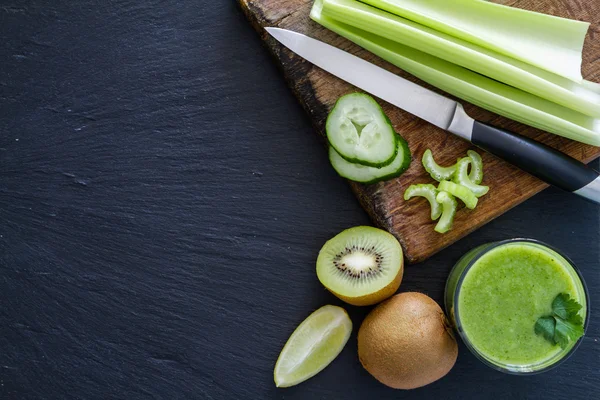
x,y
409,221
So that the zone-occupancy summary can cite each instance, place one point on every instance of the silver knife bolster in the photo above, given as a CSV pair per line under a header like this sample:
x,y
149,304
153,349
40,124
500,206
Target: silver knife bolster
x,y
461,124
591,191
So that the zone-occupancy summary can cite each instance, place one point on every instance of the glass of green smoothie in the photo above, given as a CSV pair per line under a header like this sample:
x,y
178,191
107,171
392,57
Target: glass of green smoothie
x,y
495,294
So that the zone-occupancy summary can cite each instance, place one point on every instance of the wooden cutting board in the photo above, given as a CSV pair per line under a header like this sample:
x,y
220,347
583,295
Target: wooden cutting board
x,y
409,221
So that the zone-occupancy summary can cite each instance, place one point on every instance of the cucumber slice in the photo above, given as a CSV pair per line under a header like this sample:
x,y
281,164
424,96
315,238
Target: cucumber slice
x,y
461,177
449,206
437,172
429,192
476,174
459,191
364,174
360,132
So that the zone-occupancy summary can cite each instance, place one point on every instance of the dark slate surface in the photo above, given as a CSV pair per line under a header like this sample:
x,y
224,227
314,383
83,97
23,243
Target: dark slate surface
x,y
162,202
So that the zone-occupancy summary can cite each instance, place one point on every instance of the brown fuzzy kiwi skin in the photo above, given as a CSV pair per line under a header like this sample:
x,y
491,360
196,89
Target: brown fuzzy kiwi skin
x,y
406,342
378,296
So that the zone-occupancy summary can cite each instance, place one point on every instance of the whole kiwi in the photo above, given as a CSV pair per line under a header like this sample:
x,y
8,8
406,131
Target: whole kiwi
x,y
406,342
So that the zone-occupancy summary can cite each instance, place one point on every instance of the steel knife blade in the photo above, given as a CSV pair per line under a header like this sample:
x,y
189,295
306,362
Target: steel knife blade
x,y
544,162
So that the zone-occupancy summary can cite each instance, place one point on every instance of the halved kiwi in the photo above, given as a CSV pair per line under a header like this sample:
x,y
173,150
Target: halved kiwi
x,y
361,265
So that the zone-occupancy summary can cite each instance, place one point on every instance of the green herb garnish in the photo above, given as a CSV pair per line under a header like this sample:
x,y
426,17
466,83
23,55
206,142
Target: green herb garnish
x,y
545,326
564,325
565,307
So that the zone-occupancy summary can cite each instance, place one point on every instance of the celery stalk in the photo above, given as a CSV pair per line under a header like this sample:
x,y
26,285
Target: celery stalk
x,y
551,43
476,58
470,86
592,86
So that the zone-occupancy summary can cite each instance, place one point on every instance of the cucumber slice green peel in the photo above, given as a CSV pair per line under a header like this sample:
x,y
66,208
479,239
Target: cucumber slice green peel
x,y
463,193
449,205
436,171
367,175
361,133
461,177
476,174
429,192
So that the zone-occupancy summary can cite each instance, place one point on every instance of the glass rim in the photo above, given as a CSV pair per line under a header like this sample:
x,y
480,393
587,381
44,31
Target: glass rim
x,y
456,313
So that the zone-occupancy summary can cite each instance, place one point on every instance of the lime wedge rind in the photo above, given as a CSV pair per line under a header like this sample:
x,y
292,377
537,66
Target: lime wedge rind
x,y
315,343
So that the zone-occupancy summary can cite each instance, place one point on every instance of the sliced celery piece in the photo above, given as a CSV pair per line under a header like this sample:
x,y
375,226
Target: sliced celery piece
x,y
449,205
472,56
462,192
551,43
461,177
428,191
476,174
436,171
470,86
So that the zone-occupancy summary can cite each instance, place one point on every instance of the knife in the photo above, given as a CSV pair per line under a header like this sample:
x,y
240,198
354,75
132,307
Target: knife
x,y
539,160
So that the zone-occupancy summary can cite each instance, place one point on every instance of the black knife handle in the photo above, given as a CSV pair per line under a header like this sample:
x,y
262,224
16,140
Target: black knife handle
x,y
539,160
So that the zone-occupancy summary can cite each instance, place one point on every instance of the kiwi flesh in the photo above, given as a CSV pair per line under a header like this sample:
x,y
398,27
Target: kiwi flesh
x,y
406,342
361,265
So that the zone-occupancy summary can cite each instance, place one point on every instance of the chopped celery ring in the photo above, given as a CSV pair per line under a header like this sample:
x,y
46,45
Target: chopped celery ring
x,y
436,171
462,192
428,191
461,177
449,206
476,174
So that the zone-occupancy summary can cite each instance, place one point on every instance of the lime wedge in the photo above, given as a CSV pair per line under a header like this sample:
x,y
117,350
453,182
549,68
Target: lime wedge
x,y
313,345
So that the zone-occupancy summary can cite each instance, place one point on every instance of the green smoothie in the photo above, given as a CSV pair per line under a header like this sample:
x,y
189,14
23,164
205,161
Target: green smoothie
x,y
503,294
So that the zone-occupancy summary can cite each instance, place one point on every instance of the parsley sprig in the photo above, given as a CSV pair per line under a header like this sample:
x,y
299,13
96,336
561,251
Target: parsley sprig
x,y
564,325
